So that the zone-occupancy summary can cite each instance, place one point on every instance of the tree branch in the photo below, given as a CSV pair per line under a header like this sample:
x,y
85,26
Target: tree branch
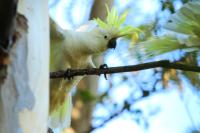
x,y
110,70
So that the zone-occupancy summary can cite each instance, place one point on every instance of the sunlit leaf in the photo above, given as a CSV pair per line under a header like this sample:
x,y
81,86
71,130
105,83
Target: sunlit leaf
x,y
185,21
157,46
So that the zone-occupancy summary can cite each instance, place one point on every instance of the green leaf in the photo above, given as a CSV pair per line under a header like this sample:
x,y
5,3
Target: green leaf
x,y
185,21
157,46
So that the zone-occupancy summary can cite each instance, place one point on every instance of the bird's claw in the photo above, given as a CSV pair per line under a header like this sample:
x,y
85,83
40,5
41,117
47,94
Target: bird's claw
x,y
67,74
104,66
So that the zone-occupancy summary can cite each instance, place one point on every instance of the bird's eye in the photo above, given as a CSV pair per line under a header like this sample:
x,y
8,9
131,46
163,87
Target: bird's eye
x,y
105,37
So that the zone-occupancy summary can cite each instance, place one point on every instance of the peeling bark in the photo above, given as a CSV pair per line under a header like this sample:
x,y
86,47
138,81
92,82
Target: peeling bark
x,y
24,92
15,92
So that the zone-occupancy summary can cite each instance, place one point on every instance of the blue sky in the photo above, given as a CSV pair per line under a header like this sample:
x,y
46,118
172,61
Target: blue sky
x,y
172,116
166,121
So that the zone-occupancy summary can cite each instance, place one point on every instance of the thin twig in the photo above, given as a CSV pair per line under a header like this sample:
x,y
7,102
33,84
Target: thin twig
x,y
126,106
107,120
97,71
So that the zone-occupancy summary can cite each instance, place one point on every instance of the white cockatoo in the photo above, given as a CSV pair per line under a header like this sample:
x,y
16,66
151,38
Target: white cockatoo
x,y
74,49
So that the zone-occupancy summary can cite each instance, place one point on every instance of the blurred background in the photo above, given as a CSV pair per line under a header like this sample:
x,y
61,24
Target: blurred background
x,y
149,101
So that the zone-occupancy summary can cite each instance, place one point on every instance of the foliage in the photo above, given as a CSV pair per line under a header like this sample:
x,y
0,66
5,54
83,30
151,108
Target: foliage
x,y
186,24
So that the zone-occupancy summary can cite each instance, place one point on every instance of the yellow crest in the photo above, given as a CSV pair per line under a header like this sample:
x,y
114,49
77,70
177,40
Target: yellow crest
x,y
114,22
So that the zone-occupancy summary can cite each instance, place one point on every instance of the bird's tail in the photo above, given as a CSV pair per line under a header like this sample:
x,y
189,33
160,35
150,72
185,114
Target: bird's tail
x,y
61,116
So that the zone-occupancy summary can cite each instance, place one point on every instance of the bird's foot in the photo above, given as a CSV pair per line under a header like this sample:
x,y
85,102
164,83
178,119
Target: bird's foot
x,y
104,66
67,74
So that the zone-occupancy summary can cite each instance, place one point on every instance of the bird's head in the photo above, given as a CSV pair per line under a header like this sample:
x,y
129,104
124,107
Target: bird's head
x,y
109,31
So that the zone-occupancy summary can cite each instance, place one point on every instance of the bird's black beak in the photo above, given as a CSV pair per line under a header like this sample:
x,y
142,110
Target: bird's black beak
x,y
112,43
